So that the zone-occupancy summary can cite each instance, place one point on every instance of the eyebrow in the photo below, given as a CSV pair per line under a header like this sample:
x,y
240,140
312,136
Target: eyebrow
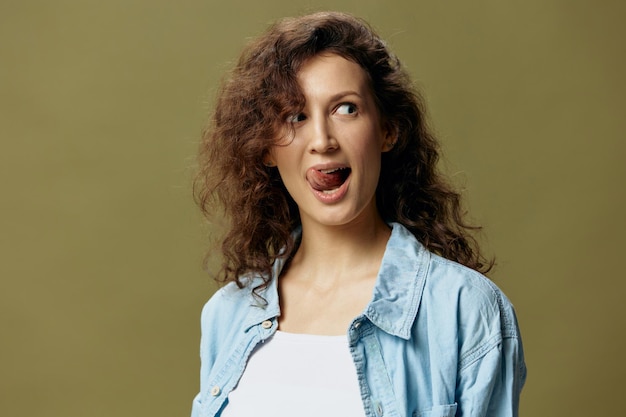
x,y
343,94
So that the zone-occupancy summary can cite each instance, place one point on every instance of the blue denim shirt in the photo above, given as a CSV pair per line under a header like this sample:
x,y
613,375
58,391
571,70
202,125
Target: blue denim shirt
x,y
436,340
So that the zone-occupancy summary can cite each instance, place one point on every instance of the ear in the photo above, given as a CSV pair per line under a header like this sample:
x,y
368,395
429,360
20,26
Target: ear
x,y
268,161
390,133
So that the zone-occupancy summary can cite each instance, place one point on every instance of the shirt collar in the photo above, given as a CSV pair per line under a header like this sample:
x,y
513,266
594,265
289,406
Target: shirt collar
x,y
397,292
400,284
265,306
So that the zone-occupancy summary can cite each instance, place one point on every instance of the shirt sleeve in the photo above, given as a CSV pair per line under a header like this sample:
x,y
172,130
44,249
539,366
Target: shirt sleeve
x,y
207,351
195,406
490,385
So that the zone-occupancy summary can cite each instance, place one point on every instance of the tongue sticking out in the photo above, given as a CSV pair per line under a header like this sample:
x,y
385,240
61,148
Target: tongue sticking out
x,y
328,179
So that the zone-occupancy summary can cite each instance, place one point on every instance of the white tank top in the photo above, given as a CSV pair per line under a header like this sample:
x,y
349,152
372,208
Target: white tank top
x,y
298,375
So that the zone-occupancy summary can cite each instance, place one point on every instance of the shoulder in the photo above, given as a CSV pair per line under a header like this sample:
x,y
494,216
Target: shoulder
x,y
446,283
228,296
228,301
471,292
455,279
233,309
470,305
225,311
418,284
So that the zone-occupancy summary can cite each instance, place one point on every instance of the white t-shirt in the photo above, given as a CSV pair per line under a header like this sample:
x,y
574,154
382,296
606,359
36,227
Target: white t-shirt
x,y
298,375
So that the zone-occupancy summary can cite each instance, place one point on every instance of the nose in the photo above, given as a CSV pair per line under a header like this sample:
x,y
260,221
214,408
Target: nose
x,y
322,139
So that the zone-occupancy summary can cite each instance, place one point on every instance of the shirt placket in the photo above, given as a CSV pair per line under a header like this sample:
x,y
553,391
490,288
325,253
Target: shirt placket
x,y
376,389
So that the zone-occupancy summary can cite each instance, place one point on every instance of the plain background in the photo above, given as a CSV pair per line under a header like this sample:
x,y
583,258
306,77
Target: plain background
x,y
101,107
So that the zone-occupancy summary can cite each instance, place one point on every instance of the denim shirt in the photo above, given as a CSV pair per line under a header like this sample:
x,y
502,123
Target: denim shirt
x,y
436,340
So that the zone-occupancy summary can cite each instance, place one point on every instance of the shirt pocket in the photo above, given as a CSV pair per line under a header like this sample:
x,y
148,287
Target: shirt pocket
x,y
448,410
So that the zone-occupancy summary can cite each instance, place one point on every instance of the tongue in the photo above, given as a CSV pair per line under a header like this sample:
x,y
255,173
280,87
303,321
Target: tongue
x,y
324,182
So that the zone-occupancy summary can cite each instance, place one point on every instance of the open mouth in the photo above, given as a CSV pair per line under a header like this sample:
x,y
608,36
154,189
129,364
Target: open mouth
x,y
328,180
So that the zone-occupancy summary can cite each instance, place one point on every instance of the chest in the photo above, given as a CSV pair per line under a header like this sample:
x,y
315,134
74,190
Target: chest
x,y
308,375
307,308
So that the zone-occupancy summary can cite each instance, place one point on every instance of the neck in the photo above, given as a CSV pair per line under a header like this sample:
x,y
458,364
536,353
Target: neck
x,y
330,253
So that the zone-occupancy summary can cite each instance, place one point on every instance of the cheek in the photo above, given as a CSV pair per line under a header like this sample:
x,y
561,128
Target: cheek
x,y
372,149
286,163
373,161
284,159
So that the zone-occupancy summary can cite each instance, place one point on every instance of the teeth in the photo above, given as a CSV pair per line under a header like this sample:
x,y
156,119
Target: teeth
x,y
329,171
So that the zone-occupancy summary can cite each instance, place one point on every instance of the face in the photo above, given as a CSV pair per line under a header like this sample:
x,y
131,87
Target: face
x,y
331,164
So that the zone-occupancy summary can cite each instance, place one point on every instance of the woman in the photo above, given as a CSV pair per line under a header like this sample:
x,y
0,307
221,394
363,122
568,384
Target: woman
x,y
354,285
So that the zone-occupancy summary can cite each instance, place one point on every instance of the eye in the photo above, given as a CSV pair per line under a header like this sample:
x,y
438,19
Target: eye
x,y
346,109
296,118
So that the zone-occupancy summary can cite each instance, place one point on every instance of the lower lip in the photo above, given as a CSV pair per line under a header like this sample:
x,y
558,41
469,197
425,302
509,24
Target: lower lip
x,y
331,197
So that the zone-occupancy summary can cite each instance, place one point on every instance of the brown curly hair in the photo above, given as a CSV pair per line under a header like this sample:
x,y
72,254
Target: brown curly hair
x,y
250,111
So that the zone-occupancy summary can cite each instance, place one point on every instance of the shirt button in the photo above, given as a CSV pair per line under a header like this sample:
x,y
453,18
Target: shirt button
x,y
357,325
215,391
379,409
266,324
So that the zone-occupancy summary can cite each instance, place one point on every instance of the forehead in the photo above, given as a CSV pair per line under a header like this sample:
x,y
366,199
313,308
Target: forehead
x,y
331,73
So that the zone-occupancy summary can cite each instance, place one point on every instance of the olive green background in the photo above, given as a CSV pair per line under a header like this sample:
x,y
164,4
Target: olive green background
x,y
101,107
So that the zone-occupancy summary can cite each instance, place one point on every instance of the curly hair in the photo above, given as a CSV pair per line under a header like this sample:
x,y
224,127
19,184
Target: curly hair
x,y
251,108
